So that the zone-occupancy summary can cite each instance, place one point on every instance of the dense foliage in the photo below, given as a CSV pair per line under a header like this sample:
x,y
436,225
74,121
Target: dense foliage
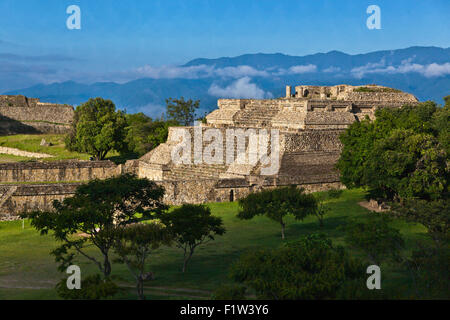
x,y
376,238
92,288
403,158
97,128
182,111
145,134
311,268
402,154
278,203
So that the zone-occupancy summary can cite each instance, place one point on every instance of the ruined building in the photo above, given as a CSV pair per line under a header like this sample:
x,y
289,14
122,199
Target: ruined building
x,y
245,145
19,114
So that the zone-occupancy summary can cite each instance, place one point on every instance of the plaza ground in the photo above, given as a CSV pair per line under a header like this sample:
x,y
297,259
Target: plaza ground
x,y
28,271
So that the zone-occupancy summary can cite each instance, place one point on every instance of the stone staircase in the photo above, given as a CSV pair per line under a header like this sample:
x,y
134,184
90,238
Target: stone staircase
x,y
256,115
5,193
307,164
194,172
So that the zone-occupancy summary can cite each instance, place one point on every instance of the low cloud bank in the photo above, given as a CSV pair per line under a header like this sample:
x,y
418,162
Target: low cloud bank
x,y
428,70
241,88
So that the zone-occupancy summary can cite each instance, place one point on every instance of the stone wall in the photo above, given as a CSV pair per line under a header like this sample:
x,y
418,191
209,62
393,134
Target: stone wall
x,y
57,171
312,140
25,198
15,199
35,116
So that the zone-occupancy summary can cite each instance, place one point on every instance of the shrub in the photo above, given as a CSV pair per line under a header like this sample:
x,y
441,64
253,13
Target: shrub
x,y
229,292
92,288
334,193
310,268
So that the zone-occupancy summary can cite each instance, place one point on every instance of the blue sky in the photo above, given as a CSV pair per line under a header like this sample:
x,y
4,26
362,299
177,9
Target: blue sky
x,y
122,35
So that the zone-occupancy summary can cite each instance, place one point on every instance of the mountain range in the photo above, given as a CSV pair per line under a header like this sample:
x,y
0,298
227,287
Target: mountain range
x,y
422,71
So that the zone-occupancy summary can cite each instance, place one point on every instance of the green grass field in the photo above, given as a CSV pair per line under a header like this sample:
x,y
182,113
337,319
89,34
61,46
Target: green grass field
x,y
31,143
27,271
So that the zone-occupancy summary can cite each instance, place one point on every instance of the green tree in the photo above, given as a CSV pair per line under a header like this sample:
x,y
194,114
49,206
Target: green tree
x,y
92,216
97,129
159,132
430,266
135,243
322,208
145,134
278,203
400,155
138,130
434,215
376,238
182,111
311,268
192,225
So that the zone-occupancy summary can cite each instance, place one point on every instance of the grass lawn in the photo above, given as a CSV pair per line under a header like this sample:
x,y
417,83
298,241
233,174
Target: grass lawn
x,y
25,261
31,143
10,158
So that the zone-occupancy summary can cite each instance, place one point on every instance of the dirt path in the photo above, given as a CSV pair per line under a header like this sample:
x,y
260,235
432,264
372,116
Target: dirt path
x,y
21,153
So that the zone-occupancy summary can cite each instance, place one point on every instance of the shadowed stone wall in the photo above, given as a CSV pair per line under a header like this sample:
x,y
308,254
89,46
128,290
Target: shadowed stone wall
x,y
35,116
57,171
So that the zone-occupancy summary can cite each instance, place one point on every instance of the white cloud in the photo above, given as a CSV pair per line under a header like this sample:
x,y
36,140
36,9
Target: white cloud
x,y
302,69
296,70
429,70
437,70
204,71
240,71
241,88
332,69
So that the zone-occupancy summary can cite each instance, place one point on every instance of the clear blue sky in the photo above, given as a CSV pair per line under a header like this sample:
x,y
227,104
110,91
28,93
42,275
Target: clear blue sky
x,y
122,35
169,32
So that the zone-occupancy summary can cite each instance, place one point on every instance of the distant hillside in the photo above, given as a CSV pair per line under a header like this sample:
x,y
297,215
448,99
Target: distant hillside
x,y
422,71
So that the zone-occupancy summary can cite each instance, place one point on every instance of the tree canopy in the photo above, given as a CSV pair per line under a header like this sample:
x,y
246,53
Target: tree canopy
x,y
93,214
278,203
192,225
145,134
375,237
182,111
402,154
97,129
310,268
135,243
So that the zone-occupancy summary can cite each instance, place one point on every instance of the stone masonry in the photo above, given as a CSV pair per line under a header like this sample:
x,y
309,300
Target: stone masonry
x,y
19,114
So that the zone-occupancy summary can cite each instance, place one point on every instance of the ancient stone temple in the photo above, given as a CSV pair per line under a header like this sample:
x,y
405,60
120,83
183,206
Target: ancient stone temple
x,y
308,122
243,146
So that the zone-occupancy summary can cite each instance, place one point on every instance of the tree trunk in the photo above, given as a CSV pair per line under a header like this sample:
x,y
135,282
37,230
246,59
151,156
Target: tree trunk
x,y
140,288
106,266
186,260
283,227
